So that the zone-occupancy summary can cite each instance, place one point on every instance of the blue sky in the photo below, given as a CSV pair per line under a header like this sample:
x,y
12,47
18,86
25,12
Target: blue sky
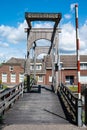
x,y
12,24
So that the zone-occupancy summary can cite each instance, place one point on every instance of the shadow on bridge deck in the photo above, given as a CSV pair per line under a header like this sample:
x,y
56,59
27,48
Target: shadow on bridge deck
x,y
36,108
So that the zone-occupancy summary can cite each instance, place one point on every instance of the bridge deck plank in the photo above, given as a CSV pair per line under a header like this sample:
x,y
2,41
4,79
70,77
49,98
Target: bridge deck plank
x,y
36,108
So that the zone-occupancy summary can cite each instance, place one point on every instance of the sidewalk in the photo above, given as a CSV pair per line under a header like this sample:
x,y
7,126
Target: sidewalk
x,y
43,127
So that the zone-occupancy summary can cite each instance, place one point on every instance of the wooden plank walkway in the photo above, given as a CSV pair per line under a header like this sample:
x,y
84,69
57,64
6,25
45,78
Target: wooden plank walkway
x,y
36,108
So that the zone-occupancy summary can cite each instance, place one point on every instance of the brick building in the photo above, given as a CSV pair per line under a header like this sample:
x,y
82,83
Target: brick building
x,y
12,72
68,69
67,73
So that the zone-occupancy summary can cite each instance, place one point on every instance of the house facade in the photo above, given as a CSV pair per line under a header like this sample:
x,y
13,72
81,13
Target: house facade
x,y
68,69
12,72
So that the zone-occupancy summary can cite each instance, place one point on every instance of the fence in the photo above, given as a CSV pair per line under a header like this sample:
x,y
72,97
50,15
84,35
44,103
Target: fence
x,y
70,103
8,97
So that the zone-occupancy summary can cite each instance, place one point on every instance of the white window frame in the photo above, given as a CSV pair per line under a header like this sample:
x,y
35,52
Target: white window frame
x,y
4,77
31,67
83,66
40,78
50,79
13,78
21,77
83,79
38,67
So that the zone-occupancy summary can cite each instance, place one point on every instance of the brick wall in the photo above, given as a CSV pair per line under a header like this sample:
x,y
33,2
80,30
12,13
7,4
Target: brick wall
x,y
17,69
48,73
65,73
83,72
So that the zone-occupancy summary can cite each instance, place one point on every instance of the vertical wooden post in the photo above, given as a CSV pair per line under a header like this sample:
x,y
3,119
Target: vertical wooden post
x,y
28,83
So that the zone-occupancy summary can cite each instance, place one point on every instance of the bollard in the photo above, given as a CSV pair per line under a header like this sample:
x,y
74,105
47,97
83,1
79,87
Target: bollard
x,y
28,83
79,116
86,107
52,88
39,88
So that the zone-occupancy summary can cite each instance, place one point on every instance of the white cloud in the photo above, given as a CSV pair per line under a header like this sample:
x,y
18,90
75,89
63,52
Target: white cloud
x,y
12,34
12,41
83,31
68,38
67,16
72,6
83,38
4,44
7,53
11,37
83,51
43,25
41,56
43,42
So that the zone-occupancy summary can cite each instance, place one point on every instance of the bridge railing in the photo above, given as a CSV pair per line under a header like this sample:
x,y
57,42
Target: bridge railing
x,y
8,97
69,103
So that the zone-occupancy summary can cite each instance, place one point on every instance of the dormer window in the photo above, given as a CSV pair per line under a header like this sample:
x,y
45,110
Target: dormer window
x,y
11,68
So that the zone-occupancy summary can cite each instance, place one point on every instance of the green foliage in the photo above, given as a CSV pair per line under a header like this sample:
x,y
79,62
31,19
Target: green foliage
x,y
4,86
32,80
73,88
0,81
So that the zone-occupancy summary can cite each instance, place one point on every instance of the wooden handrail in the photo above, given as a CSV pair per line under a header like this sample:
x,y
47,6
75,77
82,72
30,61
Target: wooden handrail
x,y
8,97
70,101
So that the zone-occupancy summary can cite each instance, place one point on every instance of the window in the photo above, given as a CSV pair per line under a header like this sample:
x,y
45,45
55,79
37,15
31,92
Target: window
x,y
69,80
61,65
32,67
40,78
83,66
4,77
13,78
83,79
38,67
11,68
50,78
21,77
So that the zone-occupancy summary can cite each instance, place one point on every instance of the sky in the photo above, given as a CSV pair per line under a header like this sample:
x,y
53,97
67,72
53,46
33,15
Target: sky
x,y
13,39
